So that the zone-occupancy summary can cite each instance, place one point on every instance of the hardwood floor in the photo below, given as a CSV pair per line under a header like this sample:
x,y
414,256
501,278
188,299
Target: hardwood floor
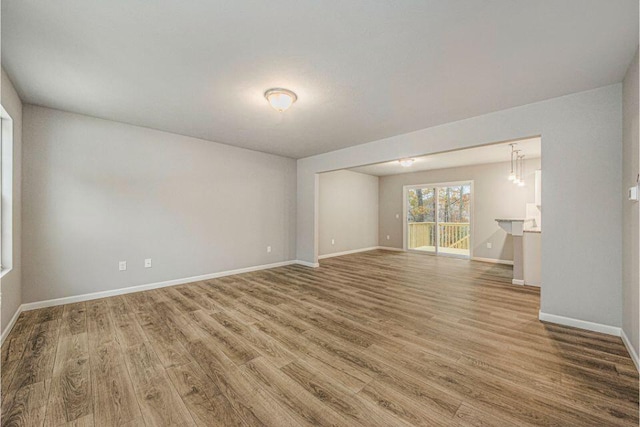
x,y
373,339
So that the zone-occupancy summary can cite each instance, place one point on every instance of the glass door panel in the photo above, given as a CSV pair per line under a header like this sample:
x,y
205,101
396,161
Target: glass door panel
x,y
454,219
421,219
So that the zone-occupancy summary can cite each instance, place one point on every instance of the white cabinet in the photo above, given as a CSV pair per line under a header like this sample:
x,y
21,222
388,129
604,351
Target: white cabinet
x,y
538,185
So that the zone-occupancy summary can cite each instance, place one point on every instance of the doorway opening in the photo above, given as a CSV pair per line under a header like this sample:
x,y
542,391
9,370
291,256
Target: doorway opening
x,y
438,218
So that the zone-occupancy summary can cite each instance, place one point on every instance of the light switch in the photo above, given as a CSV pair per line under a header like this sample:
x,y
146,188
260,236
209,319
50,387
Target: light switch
x,y
122,265
633,193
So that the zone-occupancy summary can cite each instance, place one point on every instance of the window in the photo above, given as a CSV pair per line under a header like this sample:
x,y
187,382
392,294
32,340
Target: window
x,y
6,191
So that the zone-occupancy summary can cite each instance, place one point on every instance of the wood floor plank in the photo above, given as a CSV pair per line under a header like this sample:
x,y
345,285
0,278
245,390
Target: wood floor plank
x,y
230,344
26,406
468,416
301,404
163,337
342,400
261,342
253,405
128,331
377,338
70,396
202,396
114,400
74,319
159,402
36,365
99,323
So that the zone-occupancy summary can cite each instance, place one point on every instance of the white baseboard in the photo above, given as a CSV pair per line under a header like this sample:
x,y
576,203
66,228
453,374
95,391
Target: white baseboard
x,y
492,260
132,289
307,263
12,322
389,248
630,349
582,324
518,282
353,251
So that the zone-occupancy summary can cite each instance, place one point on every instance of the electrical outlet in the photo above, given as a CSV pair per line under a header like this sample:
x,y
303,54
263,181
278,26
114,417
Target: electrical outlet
x,y
388,237
489,245
333,241
269,249
397,216
147,263
122,265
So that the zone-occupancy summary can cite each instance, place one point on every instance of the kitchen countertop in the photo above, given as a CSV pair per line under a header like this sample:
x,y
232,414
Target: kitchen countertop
x,y
533,230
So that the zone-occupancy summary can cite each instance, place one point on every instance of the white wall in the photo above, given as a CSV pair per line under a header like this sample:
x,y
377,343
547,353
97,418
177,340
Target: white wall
x,y
11,282
97,192
581,158
493,195
630,218
348,211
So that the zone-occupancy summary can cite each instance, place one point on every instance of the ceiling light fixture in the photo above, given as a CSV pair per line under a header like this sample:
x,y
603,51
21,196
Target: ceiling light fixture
x,y
280,99
406,162
512,175
516,175
521,171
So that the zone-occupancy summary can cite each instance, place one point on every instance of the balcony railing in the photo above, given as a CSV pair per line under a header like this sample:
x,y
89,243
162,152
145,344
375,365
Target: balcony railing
x,y
454,235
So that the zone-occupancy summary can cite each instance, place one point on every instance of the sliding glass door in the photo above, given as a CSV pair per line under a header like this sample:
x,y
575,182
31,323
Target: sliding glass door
x,y
438,218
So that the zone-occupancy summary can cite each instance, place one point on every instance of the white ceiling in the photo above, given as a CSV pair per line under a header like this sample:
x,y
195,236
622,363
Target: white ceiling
x,y
363,70
531,148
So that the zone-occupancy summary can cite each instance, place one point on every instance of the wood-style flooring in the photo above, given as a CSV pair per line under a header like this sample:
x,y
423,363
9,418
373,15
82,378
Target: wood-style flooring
x,y
372,339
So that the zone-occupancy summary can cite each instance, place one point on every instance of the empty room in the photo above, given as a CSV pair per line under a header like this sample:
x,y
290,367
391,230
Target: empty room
x,y
336,213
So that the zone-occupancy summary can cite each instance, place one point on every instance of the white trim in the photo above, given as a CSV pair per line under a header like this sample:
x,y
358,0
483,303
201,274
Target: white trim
x,y
630,349
492,260
353,251
4,271
131,289
9,327
517,282
307,263
581,324
390,248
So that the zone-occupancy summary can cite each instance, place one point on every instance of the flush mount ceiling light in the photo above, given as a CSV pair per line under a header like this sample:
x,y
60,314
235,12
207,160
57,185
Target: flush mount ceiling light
x,y
280,99
406,162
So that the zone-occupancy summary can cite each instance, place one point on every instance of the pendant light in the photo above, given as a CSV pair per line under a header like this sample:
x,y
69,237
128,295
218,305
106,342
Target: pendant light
x,y
521,175
512,175
516,177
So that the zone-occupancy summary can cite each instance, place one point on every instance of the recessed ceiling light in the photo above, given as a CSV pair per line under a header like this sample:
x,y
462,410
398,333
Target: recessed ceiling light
x,y
406,162
280,99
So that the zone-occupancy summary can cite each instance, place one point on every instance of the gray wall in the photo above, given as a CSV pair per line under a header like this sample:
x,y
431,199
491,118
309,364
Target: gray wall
x,y
494,197
581,158
97,192
348,211
630,219
11,282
